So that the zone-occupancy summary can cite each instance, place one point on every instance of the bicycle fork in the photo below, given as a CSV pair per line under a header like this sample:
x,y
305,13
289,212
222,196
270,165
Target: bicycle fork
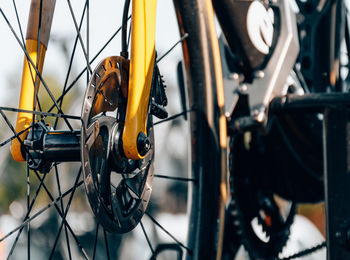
x,y
139,82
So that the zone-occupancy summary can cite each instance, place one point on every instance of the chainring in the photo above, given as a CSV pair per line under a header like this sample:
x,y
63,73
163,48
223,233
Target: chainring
x,y
118,188
252,206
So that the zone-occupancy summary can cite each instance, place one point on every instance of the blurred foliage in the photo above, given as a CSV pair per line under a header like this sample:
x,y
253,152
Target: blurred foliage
x,y
13,176
13,180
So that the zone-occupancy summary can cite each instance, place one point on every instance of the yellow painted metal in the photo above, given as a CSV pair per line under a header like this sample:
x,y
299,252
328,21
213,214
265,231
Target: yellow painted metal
x,y
143,28
26,101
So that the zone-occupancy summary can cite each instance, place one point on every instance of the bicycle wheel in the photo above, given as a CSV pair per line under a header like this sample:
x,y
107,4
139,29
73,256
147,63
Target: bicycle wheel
x,y
45,212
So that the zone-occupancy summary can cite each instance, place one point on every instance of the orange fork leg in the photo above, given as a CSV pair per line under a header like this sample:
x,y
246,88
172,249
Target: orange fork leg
x,y
29,77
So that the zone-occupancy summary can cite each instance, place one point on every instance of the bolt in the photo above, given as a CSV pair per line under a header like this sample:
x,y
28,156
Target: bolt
x,y
234,213
143,144
259,74
243,88
236,76
255,112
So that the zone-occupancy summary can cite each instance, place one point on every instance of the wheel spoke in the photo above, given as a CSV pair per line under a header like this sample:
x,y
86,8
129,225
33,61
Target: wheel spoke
x,y
15,136
32,204
71,62
40,113
65,212
96,239
14,132
36,70
62,208
23,41
28,207
60,212
132,185
18,21
79,36
55,202
72,79
172,47
173,117
106,244
27,215
84,70
168,233
36,81
147,238
175,178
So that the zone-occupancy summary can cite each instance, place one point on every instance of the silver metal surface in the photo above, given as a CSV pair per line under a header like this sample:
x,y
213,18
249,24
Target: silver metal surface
x,y
118,189
273,83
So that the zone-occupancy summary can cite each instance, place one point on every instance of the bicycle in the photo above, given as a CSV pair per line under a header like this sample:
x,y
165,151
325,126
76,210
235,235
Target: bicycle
x,y
116,142
114,147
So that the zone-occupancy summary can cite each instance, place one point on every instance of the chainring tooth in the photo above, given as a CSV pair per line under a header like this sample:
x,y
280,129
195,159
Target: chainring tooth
x,y
241,211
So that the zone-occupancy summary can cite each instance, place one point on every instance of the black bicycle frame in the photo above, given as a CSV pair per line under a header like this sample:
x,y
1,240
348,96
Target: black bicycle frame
x,y
322,26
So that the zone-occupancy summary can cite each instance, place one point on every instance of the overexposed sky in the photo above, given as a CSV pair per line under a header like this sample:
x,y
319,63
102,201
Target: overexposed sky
x,y
105,18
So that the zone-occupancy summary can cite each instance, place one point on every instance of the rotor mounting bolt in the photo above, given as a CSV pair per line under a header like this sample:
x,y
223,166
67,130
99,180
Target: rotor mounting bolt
x,y
256,112
143,144
236,76
259,74
243,88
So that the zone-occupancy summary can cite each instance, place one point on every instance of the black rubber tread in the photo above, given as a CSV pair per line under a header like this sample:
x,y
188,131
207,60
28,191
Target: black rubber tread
x,y
207,156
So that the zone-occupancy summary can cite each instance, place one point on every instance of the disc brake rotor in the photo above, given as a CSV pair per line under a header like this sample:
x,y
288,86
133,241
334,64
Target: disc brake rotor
x,y
118,189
